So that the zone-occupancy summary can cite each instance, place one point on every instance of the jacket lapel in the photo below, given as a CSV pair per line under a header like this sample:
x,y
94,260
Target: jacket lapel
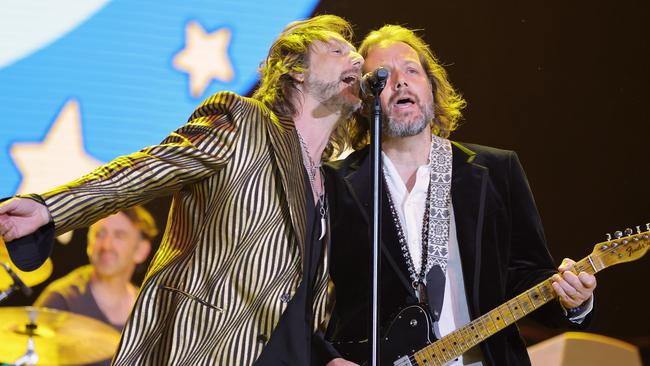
x,y
468,190
288,158
358,182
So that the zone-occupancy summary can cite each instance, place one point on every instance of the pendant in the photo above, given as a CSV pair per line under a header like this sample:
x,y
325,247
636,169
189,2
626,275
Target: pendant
x,y
322,227
323,217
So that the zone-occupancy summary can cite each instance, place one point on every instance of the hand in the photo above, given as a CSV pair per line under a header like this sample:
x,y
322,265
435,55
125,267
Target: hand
x,y
573,289
20,217
341,362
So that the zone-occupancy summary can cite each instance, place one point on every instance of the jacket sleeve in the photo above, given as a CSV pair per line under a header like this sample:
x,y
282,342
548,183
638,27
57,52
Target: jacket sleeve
x,y
322,351
194,152
530,261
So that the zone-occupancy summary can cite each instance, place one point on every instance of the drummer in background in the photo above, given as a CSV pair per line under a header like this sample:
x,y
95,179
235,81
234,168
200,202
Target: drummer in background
x,y
103,289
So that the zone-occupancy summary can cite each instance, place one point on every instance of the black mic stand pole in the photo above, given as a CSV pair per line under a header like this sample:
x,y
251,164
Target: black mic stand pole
x,y
375,206
14,286
6,293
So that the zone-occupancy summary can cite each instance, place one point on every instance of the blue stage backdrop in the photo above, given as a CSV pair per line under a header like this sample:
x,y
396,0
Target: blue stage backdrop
x,y
84,82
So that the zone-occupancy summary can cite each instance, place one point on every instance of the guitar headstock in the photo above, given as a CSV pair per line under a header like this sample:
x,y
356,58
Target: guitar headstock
x,y
625,246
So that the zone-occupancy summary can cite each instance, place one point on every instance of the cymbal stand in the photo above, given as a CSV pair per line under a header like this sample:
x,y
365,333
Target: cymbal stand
x,y
30,358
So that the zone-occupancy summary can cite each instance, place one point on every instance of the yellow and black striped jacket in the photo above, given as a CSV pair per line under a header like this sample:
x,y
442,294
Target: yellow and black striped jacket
x,y
231,256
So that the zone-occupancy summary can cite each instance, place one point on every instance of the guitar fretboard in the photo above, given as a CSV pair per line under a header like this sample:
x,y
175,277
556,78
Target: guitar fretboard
x,y
461,340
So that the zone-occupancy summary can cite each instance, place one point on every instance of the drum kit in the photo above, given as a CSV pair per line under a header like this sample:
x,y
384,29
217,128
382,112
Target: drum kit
x,y
30,279
41,336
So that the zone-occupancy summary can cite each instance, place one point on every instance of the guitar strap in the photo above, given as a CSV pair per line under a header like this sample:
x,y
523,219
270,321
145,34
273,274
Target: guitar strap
x,y
439,216
435,291
428,280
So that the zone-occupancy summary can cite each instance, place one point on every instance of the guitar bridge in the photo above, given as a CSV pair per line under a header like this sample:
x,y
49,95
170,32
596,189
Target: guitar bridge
x,y
404,361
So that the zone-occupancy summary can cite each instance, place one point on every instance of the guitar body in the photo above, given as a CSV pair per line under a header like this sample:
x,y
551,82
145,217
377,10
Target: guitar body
x,y
410,330
410,335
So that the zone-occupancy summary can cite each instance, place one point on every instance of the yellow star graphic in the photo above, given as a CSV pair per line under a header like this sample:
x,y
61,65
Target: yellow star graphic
x,y
205,57
59,158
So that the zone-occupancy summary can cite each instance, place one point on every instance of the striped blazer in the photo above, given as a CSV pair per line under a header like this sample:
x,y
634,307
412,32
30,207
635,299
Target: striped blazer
x,y
231,255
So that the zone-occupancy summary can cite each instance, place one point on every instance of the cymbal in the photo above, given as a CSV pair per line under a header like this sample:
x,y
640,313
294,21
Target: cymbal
x,y
30,279
60,337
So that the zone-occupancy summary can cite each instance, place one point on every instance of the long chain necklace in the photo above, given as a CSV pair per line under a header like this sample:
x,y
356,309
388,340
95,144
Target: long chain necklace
x,y
436,219
416,276
312,169
310,165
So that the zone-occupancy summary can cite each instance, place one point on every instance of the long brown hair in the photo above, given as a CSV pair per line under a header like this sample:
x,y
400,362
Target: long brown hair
x,y
447,103
289,55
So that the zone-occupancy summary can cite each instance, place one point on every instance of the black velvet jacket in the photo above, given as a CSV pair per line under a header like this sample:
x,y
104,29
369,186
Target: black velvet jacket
x,y
501,241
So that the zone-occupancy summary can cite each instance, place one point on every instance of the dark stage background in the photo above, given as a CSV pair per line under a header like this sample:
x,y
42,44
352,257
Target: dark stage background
x,y
565,84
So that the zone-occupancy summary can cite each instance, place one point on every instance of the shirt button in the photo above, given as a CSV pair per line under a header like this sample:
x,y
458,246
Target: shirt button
x,y
285,297
262,338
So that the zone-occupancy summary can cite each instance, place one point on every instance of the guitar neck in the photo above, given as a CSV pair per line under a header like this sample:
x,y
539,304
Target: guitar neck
x,y
461,340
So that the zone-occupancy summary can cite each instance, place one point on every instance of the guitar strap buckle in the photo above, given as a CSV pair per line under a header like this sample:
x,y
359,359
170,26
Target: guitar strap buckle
x,y
420,291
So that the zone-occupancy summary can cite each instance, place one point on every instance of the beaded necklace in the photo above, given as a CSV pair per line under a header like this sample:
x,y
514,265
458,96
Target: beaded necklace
x,y
436,218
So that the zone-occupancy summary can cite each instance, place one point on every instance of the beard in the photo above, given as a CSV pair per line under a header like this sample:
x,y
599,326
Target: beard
x,y
331,96
409,124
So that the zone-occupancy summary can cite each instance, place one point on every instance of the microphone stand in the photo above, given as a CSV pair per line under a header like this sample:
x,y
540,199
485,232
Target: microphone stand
x,y
6,293
30,358
375,206
13,288
17,285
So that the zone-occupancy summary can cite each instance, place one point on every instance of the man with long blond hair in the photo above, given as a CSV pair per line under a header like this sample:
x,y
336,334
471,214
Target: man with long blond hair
x,y
461,233
241,274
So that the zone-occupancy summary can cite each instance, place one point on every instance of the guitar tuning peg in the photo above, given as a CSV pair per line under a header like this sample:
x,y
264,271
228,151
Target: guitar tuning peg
x,y
628,232
638,229
618,234
647,227
608,237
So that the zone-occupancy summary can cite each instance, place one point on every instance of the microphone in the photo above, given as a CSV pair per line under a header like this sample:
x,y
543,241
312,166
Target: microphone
x,y
18,283
374,82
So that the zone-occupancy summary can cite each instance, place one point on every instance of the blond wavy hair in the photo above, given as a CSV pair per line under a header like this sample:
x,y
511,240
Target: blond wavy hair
x,y
289,55
447,102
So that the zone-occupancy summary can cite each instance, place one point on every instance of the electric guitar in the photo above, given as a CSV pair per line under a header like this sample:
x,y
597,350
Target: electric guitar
x,y
409,341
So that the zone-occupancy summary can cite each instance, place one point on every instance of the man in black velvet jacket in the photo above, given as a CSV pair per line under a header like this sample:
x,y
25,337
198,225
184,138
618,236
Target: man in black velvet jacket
x,y
483,238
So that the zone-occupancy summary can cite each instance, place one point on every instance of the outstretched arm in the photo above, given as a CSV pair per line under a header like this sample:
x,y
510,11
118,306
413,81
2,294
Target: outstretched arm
x,y
195,151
